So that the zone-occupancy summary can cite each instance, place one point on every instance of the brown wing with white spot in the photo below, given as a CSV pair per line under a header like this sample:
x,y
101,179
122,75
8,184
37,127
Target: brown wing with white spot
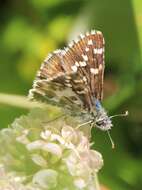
x,y
52,83
73,76
85,56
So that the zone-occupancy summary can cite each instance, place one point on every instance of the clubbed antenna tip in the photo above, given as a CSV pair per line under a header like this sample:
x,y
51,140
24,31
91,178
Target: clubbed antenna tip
x,y
120,115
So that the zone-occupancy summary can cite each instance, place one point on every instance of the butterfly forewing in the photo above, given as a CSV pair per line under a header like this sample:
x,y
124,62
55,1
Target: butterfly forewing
x,y
86,58
73,76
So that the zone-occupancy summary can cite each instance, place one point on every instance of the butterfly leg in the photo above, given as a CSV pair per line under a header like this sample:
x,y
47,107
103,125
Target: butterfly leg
x,y
56,118
86,123
92,124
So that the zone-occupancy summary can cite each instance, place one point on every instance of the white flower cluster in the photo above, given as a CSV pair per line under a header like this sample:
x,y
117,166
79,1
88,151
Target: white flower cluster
x,y
65,159
11,182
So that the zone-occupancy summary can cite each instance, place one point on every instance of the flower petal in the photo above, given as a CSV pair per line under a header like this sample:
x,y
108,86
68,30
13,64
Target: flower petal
x,y
46,178
35,145
53,148
80,183
45,134
39,160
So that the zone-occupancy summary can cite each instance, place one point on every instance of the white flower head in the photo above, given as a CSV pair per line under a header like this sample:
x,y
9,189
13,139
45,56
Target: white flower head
x,y
59,155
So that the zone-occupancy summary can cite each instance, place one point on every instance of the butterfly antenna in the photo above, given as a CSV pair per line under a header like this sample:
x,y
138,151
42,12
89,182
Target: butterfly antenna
x,y
112,143
120,115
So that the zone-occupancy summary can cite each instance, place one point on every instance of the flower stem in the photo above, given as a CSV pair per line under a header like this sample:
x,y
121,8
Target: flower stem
x,y
17,101
97,184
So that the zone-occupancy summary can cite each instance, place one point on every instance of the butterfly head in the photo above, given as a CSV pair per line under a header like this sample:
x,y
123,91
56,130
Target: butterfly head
x,y
102,120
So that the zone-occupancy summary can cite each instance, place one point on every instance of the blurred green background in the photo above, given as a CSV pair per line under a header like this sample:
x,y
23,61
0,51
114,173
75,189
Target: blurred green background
x,y
30,29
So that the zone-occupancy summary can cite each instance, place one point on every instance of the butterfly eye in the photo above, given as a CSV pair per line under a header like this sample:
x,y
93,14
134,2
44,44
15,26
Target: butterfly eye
x,y
99,122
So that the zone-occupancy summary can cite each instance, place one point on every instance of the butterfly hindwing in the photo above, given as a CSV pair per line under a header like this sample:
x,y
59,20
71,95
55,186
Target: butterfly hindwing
x,y
52,88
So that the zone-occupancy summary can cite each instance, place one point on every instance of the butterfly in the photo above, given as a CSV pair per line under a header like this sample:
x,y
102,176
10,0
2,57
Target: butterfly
x,y
72,78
